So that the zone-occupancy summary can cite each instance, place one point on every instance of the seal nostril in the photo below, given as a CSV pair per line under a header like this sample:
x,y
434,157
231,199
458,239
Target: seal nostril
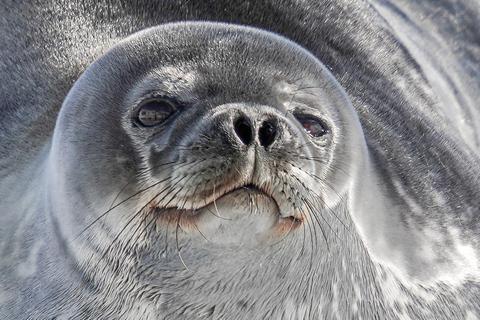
x,y
267,133
244,130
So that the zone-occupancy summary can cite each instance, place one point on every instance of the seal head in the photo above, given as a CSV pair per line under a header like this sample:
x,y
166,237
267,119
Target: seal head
x,y
185,123
194,145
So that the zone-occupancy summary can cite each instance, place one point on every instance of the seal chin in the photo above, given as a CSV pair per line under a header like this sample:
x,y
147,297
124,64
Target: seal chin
x,y
244,205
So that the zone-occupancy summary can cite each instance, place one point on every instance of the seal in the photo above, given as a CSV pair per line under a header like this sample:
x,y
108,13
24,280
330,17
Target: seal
x,y
213,170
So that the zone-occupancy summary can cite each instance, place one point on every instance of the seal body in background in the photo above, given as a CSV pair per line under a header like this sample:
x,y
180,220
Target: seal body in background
x,y
248,160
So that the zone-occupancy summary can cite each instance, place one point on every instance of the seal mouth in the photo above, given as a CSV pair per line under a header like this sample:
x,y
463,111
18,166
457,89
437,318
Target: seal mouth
x,y
188,218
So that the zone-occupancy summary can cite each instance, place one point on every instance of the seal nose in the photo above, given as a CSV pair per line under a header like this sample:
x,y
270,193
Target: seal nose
x,y
267,133
243,129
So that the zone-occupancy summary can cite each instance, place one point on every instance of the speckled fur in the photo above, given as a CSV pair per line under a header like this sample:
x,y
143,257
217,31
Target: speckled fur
x,y
411,70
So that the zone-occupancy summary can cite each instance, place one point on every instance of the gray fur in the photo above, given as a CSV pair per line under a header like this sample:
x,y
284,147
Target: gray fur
x,y
388,197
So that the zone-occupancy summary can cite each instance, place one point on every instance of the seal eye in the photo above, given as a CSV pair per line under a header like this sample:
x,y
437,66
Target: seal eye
x,y
312,125
154,112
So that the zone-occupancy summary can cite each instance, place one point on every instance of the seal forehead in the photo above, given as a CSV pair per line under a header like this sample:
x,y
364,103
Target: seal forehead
x,y
213,46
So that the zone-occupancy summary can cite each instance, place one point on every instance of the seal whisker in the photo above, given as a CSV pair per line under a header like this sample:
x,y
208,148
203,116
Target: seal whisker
x,y
117,236
330,210
176,241
336,165
193,195
117,205
313,213
323,161
170,219
215,202
116,197
304,87
313,239
300,88
251,201
291,101
171,189
134,177
102,257
317,196
216,215
284,237
199,231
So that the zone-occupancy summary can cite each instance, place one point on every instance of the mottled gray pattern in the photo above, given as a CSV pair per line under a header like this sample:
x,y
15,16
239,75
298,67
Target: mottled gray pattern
x,y
103,218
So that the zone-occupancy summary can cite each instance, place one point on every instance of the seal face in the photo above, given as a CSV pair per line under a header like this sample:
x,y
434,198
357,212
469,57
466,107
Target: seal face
x,y
211,170
192,132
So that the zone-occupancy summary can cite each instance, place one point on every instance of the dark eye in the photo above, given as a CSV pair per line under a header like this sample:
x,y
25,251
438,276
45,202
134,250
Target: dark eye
x,y
314,126
154,112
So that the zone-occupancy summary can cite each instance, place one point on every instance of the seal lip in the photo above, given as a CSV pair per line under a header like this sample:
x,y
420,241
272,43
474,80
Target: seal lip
x,y
187,217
